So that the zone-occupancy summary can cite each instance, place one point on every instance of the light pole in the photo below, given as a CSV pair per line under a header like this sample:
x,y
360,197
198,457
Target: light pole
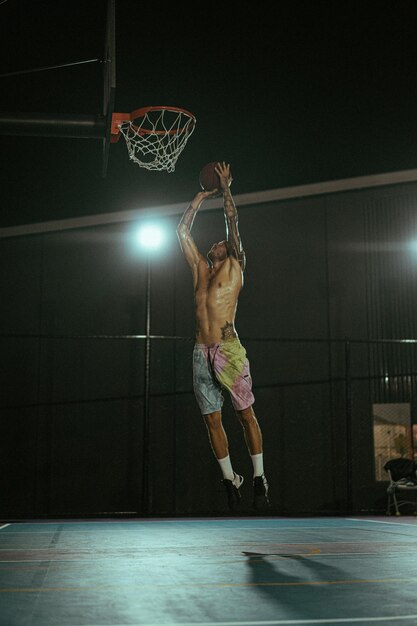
x,y
150,237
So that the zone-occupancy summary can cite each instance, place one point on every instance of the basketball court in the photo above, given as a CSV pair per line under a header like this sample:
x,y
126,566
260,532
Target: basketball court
x,y
209,572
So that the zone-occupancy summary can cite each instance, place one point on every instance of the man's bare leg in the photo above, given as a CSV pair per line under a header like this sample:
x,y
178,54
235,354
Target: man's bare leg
x,y
251,430
253,438
220,447
217,434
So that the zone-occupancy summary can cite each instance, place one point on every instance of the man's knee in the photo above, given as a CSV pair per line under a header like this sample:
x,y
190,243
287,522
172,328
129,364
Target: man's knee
x,y
246,416
213,420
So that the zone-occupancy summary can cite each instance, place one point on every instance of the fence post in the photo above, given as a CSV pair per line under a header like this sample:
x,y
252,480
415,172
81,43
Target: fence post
x,y
146,392
348,401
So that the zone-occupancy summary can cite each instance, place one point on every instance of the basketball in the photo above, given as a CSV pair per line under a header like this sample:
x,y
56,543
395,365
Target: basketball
x,y
208,178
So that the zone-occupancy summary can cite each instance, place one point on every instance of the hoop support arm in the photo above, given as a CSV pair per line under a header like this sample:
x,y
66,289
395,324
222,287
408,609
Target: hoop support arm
x,y
53,125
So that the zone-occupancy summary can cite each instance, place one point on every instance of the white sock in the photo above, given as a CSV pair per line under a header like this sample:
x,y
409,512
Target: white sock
x,y
226,467
237,481
258,464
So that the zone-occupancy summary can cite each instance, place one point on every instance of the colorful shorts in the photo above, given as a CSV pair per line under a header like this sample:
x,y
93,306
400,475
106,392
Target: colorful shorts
x,y
221,366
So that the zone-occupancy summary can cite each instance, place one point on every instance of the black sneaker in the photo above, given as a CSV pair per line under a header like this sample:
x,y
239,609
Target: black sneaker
x,y
233,493
260,493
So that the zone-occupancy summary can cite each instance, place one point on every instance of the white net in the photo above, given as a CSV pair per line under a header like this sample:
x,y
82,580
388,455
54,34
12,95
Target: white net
x,y
157,136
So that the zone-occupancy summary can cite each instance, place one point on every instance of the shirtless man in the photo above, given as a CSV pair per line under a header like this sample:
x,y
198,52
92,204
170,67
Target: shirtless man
x,y
219,359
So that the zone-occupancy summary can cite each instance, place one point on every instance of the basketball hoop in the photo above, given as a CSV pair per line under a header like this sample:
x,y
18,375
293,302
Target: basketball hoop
x,y
155,136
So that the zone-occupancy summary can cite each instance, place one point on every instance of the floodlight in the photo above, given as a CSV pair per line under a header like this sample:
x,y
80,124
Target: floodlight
x,y
150,236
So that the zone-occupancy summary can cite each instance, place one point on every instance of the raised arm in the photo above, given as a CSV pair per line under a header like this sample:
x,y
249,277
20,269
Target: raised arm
x,y
234,241
187,243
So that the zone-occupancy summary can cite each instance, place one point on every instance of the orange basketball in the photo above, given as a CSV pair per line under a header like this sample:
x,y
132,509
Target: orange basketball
x,y
208,178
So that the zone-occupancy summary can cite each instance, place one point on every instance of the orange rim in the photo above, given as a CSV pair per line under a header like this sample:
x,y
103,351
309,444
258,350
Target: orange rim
x,y
119,118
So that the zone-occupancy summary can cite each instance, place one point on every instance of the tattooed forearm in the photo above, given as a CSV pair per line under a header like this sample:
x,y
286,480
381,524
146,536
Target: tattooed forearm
x,y
188,217
233,237
228,203
228,331
232,231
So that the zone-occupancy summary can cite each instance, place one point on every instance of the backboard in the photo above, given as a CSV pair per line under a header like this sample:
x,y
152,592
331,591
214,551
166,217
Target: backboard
x,y
109,79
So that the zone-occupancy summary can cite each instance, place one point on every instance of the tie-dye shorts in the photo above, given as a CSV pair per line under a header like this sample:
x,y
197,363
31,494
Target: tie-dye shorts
x,y
221,366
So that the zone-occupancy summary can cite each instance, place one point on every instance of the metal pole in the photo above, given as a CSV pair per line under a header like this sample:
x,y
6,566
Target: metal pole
x,y
53,125
348,399
146,406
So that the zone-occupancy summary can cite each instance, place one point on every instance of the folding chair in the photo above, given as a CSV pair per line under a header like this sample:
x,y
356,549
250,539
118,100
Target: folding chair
x,y
402,481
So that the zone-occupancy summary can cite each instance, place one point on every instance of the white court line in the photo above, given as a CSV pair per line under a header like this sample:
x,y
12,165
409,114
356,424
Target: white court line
x,y
224,522
71,549
377,521
94,559
4,526
186,521
53,561
232,530
341,620
225,542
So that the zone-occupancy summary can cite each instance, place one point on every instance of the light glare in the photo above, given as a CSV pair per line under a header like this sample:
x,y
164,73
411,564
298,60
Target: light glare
x,y
150,236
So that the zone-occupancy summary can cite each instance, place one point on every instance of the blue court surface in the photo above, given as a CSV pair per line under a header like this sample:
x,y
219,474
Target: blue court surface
x,y
217,572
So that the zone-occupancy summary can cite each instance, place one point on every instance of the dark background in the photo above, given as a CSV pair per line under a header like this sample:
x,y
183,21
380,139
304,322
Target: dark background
x,y
291,94
327,289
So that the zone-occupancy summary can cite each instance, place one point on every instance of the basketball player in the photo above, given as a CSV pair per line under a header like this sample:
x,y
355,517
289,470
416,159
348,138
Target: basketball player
x,y
219,359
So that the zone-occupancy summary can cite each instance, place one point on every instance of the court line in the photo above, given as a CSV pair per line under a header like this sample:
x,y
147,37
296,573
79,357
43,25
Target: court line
x,y
377,521
341,620
349,555
227,520
227,540
273,529
94,560
174,520
313,546
279,622
306,583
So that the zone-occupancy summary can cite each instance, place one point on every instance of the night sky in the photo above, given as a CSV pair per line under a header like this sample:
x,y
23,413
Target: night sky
x,y
295,94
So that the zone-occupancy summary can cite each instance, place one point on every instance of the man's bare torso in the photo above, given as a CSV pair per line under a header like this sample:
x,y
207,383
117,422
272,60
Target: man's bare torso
x,y
216,295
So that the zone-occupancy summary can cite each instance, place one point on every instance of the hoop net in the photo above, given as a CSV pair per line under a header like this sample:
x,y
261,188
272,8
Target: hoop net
x,y
156,136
